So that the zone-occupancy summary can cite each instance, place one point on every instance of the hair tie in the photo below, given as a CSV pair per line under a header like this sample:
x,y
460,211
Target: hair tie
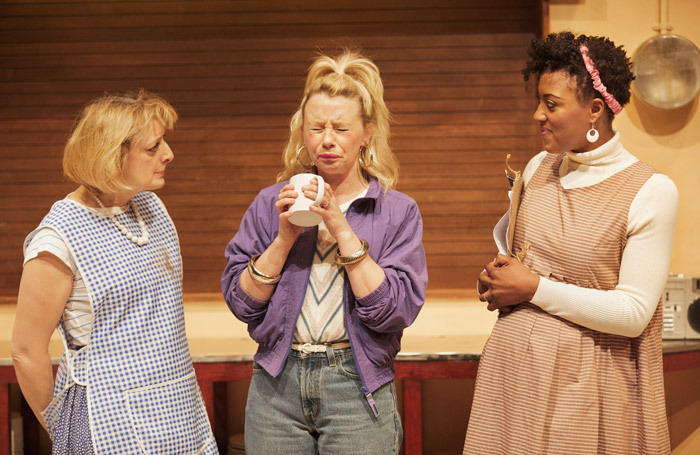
x,y
597,83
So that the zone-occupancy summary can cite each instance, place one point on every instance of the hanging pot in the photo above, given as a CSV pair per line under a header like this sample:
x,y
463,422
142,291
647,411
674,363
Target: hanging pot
x,y
667,70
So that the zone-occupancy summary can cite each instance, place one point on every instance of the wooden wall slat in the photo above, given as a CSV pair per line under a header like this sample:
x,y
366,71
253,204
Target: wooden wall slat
x,y
242,95
234,57
101,7
465,42
278,5
174,85
164,21
508,68
246,31
235,71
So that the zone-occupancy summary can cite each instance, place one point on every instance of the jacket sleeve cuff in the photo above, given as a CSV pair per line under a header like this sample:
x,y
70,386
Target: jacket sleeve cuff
x,y
377,296
246,298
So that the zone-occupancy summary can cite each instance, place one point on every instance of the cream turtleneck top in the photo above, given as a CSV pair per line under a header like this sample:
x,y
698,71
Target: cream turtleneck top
x,y
627,309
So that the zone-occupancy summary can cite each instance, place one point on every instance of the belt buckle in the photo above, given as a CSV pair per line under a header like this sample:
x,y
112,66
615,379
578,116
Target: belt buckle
x,y
307,348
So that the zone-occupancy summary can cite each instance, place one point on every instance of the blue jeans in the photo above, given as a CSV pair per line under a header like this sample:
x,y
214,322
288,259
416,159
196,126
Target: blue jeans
x,y
316,406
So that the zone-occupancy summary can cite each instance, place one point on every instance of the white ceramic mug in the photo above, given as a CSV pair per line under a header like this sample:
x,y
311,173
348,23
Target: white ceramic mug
x,y
302,216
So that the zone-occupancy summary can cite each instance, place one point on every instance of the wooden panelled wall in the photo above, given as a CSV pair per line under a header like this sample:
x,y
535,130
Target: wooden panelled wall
x,y
235,70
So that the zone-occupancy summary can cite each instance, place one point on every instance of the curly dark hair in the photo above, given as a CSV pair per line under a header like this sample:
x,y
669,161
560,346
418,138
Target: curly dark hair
x,y
560,51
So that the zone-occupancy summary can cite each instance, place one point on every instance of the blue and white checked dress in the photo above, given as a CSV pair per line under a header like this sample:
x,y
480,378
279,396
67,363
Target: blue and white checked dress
x,y
142,393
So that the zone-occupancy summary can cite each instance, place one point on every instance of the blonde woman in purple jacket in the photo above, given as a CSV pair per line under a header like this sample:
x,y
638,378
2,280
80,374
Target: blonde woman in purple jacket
x,y
327,304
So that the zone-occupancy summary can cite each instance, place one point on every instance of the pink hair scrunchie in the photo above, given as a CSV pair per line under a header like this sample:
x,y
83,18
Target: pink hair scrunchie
x,y
597,84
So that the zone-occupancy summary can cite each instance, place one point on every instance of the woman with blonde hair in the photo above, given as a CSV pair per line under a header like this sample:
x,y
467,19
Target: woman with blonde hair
x,y
327,305
104,267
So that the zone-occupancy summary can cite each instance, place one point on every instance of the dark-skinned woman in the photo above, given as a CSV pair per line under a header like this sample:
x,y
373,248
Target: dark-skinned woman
x,y
574,362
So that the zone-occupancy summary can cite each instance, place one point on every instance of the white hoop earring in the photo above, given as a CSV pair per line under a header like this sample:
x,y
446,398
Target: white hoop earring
x,y
299,157
592,134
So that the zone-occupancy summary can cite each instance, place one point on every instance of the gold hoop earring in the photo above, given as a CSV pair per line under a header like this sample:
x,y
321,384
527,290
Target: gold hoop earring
x,y
299,157
365,164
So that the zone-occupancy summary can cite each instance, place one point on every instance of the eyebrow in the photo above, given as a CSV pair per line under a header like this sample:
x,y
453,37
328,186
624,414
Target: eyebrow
x,y
552,95
334,122
152,142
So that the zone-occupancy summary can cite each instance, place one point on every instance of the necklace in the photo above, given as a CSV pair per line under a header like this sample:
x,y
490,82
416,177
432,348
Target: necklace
x,y
144,232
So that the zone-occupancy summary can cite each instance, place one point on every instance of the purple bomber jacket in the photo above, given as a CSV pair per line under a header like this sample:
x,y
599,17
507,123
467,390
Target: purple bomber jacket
x,y
392,224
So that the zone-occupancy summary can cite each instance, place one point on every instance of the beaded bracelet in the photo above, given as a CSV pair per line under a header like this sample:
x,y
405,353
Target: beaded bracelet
x,y
257,275
357,256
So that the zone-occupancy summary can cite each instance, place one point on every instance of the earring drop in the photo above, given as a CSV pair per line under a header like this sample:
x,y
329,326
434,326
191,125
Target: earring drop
x,y
592,134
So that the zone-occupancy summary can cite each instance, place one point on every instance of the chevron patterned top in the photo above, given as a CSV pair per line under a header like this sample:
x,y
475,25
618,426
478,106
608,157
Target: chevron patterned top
x,y
322,318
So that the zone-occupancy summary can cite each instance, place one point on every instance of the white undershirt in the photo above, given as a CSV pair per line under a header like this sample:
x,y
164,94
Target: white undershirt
x,y
627,309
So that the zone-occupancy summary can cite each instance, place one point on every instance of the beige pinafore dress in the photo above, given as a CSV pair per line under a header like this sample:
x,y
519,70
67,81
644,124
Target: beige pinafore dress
x,y
549,386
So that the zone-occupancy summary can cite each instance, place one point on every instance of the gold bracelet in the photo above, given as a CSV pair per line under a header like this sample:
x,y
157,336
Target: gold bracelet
x,y
258,276
357,256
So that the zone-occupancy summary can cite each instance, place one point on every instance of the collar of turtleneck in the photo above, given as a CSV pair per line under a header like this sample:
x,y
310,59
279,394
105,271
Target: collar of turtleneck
x,y
605,154
587,168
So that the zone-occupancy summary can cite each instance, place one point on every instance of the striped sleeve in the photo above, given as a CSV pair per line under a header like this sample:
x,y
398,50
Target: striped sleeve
x,y
47,240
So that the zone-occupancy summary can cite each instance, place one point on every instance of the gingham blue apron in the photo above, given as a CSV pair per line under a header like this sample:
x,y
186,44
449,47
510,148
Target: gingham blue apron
x,y
143,396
